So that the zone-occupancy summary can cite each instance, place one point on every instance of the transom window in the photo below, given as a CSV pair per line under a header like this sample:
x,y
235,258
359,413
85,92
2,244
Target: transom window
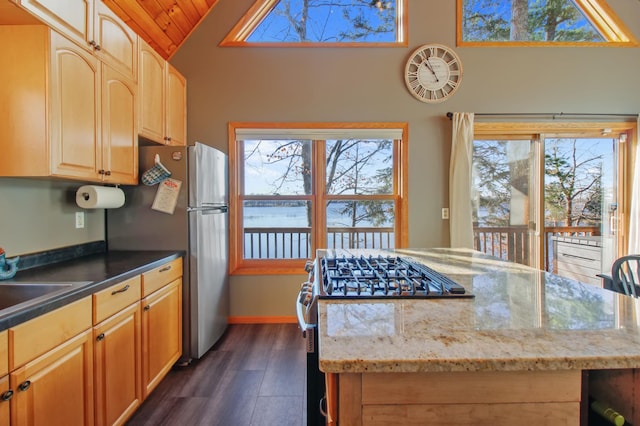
x,y
325,186
556,22
319,22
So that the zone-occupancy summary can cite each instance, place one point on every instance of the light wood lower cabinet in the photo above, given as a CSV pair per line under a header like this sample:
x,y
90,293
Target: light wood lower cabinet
x,y
117,366
5,394
57,387
56,369
161,333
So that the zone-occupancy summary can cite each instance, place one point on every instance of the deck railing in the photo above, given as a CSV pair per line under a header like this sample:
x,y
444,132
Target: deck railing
x,y
295,243
512,242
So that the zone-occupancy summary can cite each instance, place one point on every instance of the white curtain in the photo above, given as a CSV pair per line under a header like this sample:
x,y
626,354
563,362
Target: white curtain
x,y
634,211
460,222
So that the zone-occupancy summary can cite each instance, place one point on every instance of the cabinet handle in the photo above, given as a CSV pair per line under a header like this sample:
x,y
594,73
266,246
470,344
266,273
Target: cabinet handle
x,y
97,47
100,172
122,290
148,307
6,395
100,337
108,172
92,43
165,269
24,385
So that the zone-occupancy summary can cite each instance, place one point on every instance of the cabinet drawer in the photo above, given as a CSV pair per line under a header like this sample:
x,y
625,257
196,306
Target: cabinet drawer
x,y
33,338
115,298
161,276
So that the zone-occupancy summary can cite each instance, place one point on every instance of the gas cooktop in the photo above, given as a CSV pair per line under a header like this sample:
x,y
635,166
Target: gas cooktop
x,y
383,277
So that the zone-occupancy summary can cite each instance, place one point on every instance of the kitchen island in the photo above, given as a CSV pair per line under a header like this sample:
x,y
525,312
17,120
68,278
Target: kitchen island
x,y
528,349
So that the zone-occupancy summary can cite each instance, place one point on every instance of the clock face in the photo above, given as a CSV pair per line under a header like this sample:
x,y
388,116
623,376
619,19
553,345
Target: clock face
x,y
433,73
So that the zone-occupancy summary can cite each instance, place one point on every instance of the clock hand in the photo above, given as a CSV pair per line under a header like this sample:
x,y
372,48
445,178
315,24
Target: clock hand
x,y
426,62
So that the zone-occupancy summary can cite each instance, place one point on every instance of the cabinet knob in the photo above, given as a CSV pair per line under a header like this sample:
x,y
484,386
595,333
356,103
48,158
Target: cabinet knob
x,y
100,172
24,385
6,395
93,43
108,172
148,307
97,47
100,337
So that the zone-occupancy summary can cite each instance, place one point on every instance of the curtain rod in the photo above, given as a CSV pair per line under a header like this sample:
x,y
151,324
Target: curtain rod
x,y
553,115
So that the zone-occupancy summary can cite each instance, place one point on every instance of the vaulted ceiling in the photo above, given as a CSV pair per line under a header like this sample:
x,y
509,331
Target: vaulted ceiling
x,y
164,24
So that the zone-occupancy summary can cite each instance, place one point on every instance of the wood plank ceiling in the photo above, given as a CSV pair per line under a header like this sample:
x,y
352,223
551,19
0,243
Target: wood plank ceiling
x,y
164,24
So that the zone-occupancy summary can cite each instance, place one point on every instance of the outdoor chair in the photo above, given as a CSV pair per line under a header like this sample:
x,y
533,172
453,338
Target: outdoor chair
x,y
625,276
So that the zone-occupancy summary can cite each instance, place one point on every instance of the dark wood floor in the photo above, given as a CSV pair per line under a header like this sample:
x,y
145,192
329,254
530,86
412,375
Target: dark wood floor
x,y
255,375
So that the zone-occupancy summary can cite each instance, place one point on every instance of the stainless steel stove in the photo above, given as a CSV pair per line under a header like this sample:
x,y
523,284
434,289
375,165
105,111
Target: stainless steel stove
x,y
383,277
359,277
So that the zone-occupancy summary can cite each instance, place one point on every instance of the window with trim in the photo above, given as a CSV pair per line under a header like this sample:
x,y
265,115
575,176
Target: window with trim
x,y
550,22
296,189
321,22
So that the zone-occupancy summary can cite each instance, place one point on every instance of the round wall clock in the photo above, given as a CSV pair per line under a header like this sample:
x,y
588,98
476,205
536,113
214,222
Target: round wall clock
x,y
433,73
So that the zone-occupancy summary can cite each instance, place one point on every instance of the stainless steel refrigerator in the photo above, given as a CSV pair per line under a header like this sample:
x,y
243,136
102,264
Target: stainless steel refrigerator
x,y
198,225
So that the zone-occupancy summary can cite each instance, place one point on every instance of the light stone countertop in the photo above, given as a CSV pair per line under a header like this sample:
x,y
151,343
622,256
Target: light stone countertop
x,y
520,319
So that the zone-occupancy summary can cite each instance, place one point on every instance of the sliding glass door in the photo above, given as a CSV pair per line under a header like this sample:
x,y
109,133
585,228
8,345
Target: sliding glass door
x,y
551,199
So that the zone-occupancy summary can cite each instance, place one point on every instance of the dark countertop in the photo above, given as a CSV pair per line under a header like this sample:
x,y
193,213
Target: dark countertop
x,y
89,274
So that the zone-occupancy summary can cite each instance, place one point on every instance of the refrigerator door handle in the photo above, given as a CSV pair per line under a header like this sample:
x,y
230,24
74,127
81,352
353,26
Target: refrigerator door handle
x,y
209,210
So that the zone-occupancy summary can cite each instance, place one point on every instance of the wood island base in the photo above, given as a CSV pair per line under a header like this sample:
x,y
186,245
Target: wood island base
x,y
461,398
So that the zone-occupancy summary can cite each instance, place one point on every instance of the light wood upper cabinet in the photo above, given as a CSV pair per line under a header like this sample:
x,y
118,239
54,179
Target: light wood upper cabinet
x,y
74,111
114,42
176,107
66,113
119,142
93,26
73,18
162,102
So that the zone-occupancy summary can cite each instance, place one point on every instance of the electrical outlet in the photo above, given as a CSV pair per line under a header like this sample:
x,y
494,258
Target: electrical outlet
x,y
79,220
445,212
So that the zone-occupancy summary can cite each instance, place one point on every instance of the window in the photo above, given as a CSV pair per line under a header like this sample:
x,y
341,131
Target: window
x,y
550,22
297,189
319,22
552,196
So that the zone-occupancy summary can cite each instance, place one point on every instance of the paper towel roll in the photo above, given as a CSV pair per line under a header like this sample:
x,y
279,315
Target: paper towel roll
x,y
99,197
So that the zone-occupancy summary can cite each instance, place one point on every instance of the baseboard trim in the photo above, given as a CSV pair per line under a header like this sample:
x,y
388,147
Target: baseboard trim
x,y
263,320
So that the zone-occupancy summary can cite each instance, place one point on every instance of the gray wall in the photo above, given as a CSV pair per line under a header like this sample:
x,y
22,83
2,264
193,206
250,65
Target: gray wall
x,y
367,84
39,214
350,84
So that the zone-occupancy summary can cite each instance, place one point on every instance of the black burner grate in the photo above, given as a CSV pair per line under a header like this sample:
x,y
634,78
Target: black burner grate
x,y
382,277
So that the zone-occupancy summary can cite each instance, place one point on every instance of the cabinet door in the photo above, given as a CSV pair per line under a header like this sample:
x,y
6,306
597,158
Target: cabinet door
x,y
73,18
56,388
119,136
115,43
117,366
176,107
161,334
73,122
5,397
152,94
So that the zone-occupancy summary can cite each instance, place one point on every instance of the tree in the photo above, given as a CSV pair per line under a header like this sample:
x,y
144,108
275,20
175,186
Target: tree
x,y
353,167
574,185
522,20
329,21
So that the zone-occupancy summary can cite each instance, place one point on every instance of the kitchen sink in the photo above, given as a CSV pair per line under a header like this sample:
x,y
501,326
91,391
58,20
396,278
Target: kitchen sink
x,y
14,296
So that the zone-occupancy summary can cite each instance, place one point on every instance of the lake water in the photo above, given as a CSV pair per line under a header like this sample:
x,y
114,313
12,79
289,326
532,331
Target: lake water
x,y
295,246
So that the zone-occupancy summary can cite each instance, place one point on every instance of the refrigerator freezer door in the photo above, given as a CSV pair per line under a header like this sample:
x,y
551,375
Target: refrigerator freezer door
x,y
207,176
209,287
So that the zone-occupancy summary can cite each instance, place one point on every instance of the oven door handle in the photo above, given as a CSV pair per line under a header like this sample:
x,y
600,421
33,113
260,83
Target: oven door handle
x,y
302,322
